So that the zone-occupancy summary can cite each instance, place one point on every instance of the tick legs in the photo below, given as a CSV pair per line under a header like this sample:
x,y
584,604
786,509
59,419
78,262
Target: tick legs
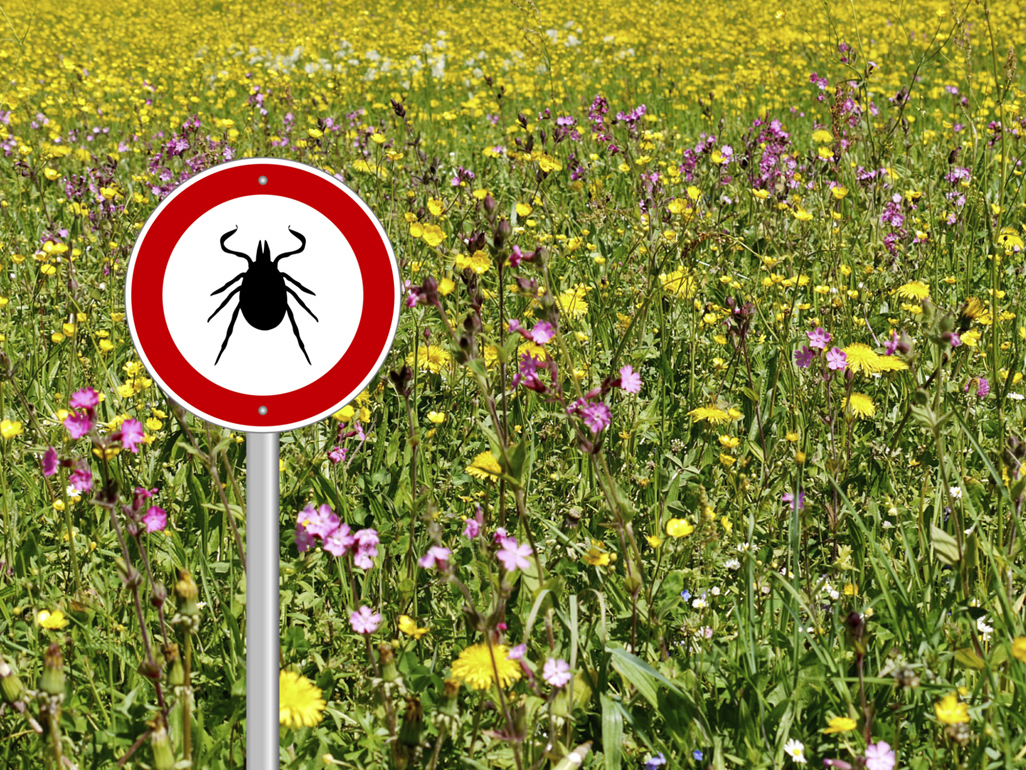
x,y
308,310
233,280
295,328
232,326
301,286
227,299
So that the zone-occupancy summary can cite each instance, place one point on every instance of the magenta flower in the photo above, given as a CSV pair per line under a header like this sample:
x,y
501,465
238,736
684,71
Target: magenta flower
x,y
880,756
319,522
542,332
955,340
983,388
514,556
515,257
819,337
556,672
155,519
788,498
87,398
892,345
837,359
364,621
630,380
472,528
436,556
500,535
337,455
803,357
81,479
132,435
596,416
77,424
50,462
339,541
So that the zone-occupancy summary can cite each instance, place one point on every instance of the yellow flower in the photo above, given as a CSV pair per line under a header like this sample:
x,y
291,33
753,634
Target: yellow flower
x,y
475,668
680,282
523,209
727,460
729,442
9,429
54,620
822,135
345,414
430,357
654,540
860,405
850,589
1019,648
950,711
409,626
712,413
485,466
971,338
436,417
433,235
862,358
916,290
791,436
573,302
445,287
299,701
597,556
839,725
726,523
478,262
679,528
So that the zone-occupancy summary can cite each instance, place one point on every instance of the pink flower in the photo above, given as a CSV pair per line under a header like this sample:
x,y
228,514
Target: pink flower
x,y
880,756
319,522
132,435
500,535
338,541
87,398
596,416
50,462
436,556
630,380
143,494
837,359
77,424
364,621
472,530
155,519
819,337
556,672
803,357
366,548
513,556
337,455
542,332
304,540
892,346
81,479
516,256
517,652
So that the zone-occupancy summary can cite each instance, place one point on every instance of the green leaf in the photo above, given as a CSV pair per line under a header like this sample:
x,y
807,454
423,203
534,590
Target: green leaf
x,y
612,733
944,546
968,658
645,679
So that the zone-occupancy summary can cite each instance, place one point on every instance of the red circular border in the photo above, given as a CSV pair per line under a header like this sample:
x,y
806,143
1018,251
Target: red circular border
x,y
147,309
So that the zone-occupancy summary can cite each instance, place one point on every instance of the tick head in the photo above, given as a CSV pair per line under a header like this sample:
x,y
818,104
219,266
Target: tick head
x,y
263,253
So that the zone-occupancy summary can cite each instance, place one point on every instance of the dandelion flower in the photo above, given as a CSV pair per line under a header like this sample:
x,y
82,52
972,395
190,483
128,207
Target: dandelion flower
x,y
680,283
485,466
916,290
950,711
430,357
711,413
863,359
475,668
299,701
573,302
860,405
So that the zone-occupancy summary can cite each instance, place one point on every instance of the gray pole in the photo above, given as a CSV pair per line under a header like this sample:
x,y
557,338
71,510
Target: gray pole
x,y
262,601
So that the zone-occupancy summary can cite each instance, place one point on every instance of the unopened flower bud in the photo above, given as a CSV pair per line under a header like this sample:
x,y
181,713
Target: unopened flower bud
x,y
187,593
176,678
163,759
502,232
53,671
386,657
159,595
11,686
413,723
449,702
489,203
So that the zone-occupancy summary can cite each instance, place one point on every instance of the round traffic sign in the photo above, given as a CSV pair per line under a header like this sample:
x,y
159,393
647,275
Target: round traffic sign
x,y
262,295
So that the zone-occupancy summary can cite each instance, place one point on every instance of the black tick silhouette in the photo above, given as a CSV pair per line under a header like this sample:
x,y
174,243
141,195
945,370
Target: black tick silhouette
x,y
263,293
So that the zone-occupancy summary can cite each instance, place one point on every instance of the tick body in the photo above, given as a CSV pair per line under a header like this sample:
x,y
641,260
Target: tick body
x,y
264,292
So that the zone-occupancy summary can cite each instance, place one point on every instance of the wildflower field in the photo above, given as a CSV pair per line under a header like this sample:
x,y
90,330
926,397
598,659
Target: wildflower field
x,y
700,444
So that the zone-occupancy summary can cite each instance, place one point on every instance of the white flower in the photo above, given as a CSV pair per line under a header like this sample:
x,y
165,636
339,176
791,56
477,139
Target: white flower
x,y
732,564
983,628
700,603
1016,396
796,749
715,591
955,492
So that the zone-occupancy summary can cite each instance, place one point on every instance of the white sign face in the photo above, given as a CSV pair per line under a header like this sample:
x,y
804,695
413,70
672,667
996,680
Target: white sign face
x,y
261,361
262,295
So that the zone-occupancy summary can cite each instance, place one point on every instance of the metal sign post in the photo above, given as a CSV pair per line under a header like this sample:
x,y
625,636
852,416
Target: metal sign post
x,y
262,295
262,525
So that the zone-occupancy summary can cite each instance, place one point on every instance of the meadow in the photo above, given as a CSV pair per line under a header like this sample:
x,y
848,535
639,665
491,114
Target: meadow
x,y
700,444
